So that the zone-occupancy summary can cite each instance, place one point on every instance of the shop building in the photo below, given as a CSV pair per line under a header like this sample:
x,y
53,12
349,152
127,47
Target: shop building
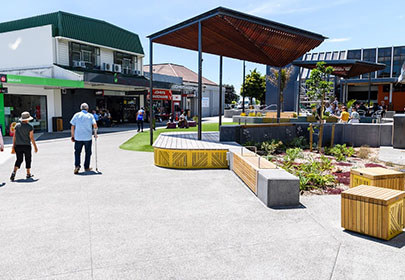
x,y
56,61
384,86
185,93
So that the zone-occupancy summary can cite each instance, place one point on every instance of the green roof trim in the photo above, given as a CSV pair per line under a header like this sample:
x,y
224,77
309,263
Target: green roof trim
x,y
80,28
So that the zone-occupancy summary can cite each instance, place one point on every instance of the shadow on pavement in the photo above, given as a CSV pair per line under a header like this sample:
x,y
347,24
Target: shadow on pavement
x,y
2,184
397,242
89,173
299,206
30,180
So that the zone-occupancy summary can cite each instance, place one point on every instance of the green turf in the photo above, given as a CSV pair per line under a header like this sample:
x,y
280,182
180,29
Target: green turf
x,y
140,142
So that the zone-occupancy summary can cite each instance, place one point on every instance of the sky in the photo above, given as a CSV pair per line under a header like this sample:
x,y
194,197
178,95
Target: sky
x,y
349,24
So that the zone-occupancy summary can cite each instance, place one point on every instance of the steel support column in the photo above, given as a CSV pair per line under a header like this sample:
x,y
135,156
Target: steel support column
x,y
220,92
199,81
278,95
243,87
151,91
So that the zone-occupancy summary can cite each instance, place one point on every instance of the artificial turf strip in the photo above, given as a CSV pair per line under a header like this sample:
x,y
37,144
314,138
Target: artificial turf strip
x,y
140,142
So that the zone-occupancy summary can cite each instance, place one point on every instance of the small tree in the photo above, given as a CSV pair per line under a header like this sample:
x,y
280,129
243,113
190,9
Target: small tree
x,y
286,73
255,86
318,87
230,94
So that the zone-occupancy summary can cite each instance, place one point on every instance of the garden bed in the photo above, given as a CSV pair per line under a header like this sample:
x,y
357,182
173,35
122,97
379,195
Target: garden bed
x,y
320,173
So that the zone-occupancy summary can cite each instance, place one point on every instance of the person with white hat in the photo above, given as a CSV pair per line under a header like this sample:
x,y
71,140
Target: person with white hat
x,y
82,125
22,139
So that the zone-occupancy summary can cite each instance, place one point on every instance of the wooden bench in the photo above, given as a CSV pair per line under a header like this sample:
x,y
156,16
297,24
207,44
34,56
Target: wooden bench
x,y
379,177
273,186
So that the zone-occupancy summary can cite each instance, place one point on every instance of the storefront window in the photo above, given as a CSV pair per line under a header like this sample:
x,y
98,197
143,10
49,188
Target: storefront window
x,y
15,104
354,54
369,55
399,59
384,56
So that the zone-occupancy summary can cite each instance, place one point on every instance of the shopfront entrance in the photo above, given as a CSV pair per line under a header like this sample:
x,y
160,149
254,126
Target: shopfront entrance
x,y
15,104
123,109
166,102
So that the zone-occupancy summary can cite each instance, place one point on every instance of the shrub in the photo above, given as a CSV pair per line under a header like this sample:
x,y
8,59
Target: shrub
x,y
273,146
293,154
252,114
364,152
340,152
313,174
300,142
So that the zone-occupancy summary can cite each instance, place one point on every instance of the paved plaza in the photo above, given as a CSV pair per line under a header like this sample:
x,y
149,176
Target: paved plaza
x,y
138,221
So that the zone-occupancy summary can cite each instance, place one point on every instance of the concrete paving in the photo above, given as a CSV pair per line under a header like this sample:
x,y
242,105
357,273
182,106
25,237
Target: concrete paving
x,y
389,154
138,221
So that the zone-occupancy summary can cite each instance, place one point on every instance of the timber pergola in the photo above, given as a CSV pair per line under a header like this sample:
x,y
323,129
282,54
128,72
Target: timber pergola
x,y
345,68
233,34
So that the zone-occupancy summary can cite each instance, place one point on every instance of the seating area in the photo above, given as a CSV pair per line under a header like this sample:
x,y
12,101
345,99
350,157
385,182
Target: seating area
x,y
172,125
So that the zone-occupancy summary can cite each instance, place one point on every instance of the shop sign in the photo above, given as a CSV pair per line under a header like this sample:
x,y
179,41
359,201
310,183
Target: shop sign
x,y
28,80
162,94
176,97
205,102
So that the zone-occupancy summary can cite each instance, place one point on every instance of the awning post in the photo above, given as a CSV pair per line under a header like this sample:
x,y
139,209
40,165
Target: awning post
x,y
278,95
369,89
220,92
199,81
243,87
151,90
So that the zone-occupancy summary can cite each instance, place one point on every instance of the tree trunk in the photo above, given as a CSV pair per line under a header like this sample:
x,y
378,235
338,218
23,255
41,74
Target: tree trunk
x,y
282,101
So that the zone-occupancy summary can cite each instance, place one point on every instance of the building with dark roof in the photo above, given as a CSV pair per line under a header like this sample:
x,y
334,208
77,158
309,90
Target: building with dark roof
x,y
103,60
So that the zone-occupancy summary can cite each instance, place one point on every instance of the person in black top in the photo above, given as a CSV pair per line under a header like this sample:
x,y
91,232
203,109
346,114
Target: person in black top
x,y
23,136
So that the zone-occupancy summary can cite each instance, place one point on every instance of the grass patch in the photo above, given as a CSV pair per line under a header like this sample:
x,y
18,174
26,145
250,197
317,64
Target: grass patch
x,y
140,142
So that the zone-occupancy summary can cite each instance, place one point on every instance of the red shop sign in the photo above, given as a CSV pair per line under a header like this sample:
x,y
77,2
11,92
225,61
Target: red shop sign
x,y
161,94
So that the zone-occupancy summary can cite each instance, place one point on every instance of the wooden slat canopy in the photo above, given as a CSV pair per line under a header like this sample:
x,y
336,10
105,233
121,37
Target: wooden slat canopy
x,y
237,35
345,68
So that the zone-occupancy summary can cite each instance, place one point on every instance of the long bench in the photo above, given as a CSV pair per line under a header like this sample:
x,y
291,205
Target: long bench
x,y
275,187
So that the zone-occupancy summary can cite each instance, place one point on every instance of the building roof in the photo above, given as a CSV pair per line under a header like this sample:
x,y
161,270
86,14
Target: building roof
x,y
80,28
345,68
237,35
176,70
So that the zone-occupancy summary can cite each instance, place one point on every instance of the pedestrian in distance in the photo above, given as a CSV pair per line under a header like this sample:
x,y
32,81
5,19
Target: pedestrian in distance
x,y
140,118
82,125
22,139
344,116
1,142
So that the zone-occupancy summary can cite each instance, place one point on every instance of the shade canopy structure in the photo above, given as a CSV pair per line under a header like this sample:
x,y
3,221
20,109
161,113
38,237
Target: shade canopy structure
x,y
238,35
345,68
229,33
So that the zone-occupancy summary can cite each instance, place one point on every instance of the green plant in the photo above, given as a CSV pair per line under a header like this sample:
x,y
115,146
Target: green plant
x,y
271,147
350,103
254,86
318,85
292,154
340,152
195,118
300,142
315,174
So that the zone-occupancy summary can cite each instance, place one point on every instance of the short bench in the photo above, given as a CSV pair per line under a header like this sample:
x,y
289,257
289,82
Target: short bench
x,y
374,211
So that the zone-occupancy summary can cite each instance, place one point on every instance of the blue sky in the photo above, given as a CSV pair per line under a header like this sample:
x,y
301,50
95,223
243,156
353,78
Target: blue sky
x,y
348,23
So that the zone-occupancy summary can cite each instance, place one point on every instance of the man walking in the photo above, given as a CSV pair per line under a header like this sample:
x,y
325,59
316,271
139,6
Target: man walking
x,y
83,123
140,119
